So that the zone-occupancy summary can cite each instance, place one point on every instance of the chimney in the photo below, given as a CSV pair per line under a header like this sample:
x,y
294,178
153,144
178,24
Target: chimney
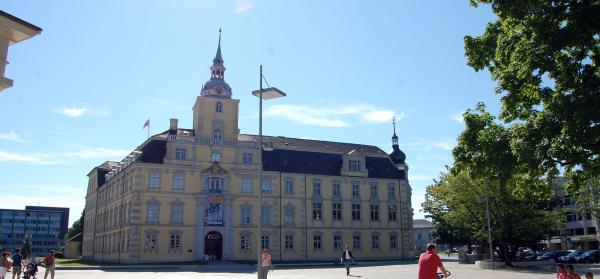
x,y
173,125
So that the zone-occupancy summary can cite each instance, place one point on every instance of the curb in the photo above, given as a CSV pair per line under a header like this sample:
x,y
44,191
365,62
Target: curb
x,y
101,267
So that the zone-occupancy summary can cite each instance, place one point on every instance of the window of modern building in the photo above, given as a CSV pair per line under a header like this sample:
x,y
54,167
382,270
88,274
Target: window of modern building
x,y
178,182
215,184
180,153
579,231
177,213
289,242
266,185
374,241
247,158
245,242
175,241
219,107
216,156
374,194
392,213
289,215
153,213
246,215
246,185
337,241
265,242
151,240
316,242
356,242
154,180
356,211
266,215
336,211
391,192
316,188
571,216
337,189
316,210
289,187
354,165
355,190
393,241
374,212
588,216
567,200
591,230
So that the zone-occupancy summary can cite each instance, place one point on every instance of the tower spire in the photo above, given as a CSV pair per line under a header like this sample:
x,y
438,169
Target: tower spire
x,y
218,58
394,137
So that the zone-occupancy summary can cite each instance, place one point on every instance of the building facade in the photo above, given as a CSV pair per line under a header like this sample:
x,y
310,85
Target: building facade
x,y
12,31
422,230
192,194
45,226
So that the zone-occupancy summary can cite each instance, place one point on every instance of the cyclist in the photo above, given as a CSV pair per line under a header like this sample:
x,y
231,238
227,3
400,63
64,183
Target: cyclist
x,y
429,262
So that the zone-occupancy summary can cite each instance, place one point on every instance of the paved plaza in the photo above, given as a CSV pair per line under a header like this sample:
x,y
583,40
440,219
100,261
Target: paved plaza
x,y
408,270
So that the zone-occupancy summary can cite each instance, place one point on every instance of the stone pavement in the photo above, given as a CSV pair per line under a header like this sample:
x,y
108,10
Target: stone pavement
x,y
408,270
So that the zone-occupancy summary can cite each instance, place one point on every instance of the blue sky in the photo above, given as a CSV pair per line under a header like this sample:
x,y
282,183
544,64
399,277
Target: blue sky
x,y
84,87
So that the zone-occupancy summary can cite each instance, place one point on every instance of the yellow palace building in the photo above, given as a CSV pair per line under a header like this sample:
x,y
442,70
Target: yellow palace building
x,y
192,194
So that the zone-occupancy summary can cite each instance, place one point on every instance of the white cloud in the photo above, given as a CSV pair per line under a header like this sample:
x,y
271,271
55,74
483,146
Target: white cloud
x,y
335,117
243,6
12,136
63,158
415,177
458,117
447,145
77,112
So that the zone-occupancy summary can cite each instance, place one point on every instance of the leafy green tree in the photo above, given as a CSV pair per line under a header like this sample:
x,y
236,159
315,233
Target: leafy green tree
x,y
26,248
544,56
77,227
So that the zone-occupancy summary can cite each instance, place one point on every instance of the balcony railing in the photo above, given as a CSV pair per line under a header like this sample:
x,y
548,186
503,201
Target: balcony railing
x,y
212,142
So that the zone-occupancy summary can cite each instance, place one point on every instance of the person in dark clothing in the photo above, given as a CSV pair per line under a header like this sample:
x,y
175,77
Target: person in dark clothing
x,y
346,258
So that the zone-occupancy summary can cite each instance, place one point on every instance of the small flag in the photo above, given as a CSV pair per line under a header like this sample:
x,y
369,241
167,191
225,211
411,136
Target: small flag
x,y
146,124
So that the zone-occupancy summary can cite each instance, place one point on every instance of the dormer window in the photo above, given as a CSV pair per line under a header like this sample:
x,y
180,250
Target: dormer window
x,y
353,165
219,107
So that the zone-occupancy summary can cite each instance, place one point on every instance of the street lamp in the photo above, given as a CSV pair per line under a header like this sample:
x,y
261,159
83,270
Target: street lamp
x,y
267,94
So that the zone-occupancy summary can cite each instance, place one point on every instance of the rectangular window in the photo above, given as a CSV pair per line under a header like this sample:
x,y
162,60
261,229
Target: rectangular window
x,y
337,211
177,214
316,188
337,190
356,241
571,217
180,153
246,186
356,212
392,213
374,210
215,184
337,242
579,231
591,230
391,192
152,217
151,241
246,215
245,242
266,186
216,157
316,242
289,242
154,180
289,215
289,187
393,241
265,242
354,165
567,200
316,212
175,242
178,182
355,190
375,242
374,191
247,158
266,215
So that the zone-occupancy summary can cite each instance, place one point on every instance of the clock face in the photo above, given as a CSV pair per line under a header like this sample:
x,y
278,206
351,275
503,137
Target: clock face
x,y
219,90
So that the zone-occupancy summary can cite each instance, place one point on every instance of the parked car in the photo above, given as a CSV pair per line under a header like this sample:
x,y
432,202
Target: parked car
x,y
553,255
571,257
590,256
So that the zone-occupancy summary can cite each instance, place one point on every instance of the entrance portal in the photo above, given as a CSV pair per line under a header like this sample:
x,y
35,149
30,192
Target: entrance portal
x,y
213,246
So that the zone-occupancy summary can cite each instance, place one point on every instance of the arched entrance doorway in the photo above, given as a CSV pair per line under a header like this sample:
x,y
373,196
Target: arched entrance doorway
x,y
213,246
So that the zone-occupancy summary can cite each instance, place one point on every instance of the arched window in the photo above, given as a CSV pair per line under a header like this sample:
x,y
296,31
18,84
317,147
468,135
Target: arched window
x,y
219,107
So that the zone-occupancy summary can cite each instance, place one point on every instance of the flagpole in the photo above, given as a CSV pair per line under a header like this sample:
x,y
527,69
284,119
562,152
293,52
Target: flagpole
x,y
148,128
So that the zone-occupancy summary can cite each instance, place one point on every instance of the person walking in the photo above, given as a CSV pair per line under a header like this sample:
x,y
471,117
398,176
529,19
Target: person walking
x,y
49,263
3,265
571,274
266,263
429,262
346,258
560,272
16,264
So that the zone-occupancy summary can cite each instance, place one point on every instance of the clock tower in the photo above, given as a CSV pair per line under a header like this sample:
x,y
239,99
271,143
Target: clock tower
x,y
215,112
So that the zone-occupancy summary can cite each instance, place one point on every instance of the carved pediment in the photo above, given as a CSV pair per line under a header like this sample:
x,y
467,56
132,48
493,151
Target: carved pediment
x,y
215,169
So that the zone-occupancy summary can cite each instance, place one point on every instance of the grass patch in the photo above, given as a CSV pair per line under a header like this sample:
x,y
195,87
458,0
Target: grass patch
x,y
76,262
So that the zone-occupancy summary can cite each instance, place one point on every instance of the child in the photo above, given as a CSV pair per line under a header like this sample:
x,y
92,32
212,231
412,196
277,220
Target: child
x,y
571,274
560,272
589,275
